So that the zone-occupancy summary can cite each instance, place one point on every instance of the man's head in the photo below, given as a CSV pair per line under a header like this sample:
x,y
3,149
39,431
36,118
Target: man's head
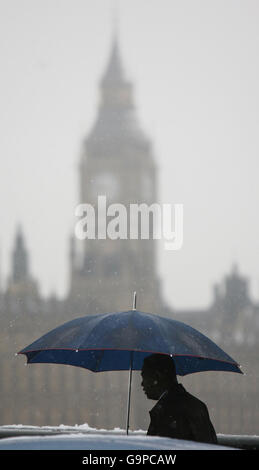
x,y
158,374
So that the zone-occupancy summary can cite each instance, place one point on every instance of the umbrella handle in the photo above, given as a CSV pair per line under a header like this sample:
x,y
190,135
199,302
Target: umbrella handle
x,y
129,392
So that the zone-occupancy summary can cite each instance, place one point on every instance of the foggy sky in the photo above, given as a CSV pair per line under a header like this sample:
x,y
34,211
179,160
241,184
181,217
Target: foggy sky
x,y
194,66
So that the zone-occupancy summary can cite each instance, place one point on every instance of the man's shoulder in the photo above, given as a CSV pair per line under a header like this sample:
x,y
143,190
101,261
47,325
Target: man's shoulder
x,y
184,400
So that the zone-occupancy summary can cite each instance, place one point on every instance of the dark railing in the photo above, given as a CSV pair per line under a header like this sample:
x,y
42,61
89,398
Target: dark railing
x,y
239,442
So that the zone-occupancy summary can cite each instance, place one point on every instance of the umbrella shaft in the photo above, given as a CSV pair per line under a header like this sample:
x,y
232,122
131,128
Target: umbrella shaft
x,y
129,392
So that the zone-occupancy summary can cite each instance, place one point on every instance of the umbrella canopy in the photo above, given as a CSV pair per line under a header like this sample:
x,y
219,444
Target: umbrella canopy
x,y
121,341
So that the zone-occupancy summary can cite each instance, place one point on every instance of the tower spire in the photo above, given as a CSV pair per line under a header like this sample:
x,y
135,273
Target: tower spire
x,y
20,270
115,20
114,72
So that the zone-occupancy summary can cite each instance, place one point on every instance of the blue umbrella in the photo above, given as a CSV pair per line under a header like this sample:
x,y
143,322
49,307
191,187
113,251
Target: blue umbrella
x,y
121,341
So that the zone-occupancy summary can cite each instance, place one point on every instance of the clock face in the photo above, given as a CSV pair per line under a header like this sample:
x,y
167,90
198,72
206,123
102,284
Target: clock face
x,y
105,184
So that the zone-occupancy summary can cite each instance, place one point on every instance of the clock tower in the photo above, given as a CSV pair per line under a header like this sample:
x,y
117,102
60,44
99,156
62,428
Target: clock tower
x,y
116,162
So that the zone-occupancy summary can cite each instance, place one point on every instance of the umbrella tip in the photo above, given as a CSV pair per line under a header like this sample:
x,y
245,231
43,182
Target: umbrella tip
x,y
134,300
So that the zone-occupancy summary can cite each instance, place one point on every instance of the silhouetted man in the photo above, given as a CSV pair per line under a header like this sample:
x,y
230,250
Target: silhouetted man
x,y
177,414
